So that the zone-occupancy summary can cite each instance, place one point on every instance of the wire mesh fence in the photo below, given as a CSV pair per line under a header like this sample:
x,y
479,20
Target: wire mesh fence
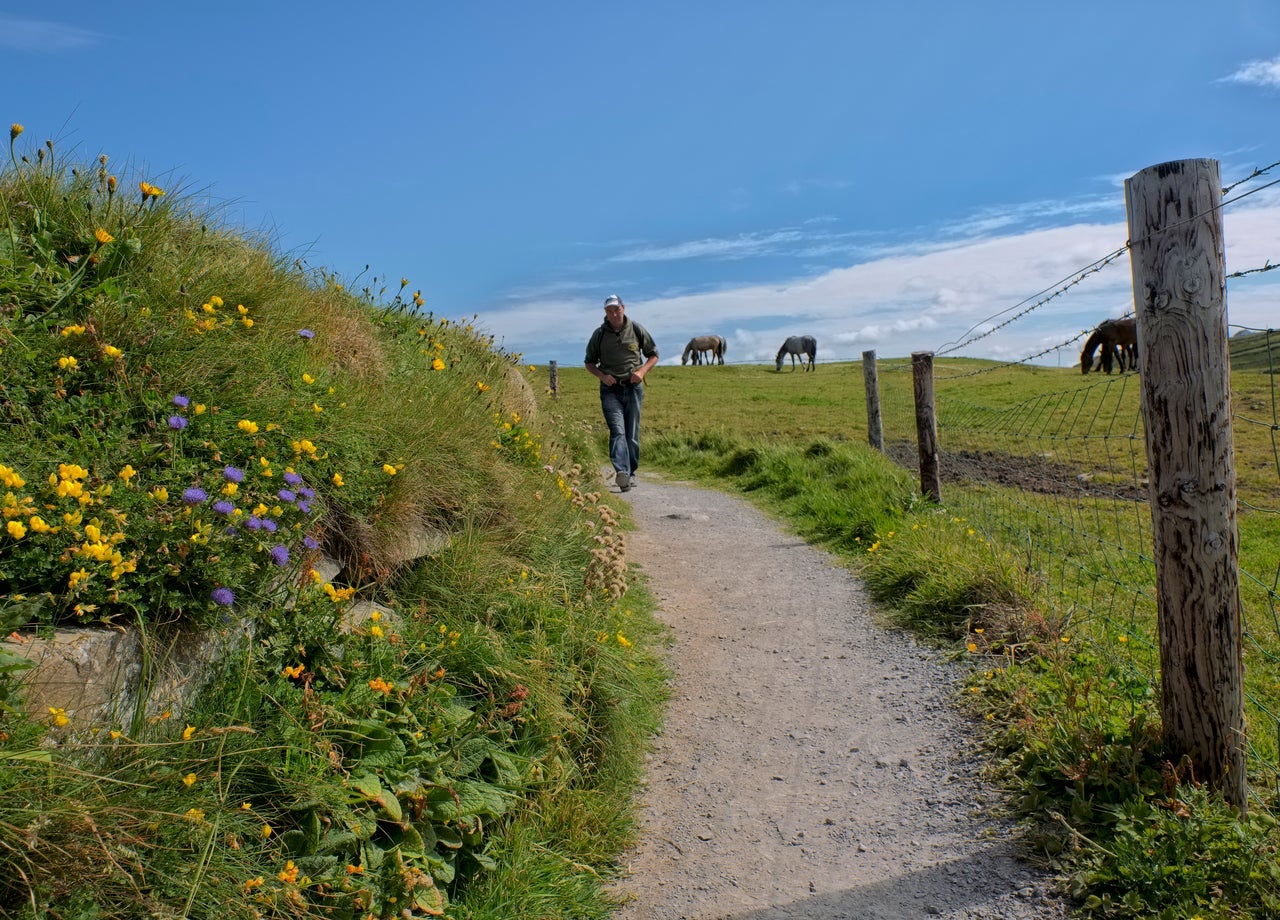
x,y
1051,466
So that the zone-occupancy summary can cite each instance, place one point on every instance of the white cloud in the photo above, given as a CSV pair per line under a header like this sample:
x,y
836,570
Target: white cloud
x,y
37,35
1257,73
742,246
920,296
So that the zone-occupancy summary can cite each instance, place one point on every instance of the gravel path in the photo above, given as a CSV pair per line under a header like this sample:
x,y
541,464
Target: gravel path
x,y
813,766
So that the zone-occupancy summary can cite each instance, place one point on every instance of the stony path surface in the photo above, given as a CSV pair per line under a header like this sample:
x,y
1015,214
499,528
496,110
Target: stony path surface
x,y
813,766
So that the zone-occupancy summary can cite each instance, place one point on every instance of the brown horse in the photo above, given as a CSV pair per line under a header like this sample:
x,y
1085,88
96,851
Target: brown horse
x,y
1118,341
704,348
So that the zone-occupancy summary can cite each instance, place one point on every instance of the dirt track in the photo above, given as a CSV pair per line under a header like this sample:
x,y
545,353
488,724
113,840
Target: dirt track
x,y
813,766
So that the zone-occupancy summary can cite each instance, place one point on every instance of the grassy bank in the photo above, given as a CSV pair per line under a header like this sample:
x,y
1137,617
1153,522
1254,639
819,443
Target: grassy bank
x,y
1065,695
193,425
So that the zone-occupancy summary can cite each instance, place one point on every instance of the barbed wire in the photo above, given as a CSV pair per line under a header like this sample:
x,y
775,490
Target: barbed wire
x,y
1075,278
1266,267
1253,175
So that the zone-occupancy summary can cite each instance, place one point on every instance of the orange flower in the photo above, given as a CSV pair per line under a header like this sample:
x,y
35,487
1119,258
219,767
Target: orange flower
x,y
380,685
102,236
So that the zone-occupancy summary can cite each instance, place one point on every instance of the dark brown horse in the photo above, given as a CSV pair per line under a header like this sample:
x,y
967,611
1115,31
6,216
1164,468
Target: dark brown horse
x,y
1118,341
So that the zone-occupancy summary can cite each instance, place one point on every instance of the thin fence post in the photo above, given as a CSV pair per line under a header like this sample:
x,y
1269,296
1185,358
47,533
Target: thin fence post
x,y
926,424
554,383
875,430
1179,285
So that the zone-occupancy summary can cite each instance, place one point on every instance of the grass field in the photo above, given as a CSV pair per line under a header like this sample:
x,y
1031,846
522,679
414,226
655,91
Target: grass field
x,y
1037,567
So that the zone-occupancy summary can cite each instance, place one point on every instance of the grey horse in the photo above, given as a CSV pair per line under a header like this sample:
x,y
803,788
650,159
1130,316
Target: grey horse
x,y
801,345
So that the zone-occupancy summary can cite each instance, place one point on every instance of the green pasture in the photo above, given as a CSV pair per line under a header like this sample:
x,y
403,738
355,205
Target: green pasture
x,y
1036,568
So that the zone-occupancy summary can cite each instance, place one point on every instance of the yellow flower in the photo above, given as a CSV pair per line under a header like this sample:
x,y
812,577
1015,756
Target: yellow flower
x,y
247,426
624,641
308,379
73,329
437,365
376,631
17,530
316,407
972,646
290,873
102,236
160,494
252,884
111,351
127,473
337,480
189,780
67,362
481,386
266,831
1122,639
38,525
188,732
388,469
14,130
59,716
194,815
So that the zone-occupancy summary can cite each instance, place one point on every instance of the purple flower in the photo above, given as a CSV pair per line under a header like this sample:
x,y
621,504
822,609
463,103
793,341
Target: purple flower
x,y
306,333
177,422
230,531
310,543
293,479
181,401
304,507
223,507
306,493
280,555
287,495
194,496
233,474
268,525
222,597
253,522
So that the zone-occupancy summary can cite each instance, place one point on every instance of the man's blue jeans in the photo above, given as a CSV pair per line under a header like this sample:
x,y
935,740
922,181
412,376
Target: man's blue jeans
x,y
621,405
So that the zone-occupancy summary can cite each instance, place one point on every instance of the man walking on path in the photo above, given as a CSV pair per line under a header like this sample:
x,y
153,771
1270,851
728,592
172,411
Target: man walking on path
x,y
619,353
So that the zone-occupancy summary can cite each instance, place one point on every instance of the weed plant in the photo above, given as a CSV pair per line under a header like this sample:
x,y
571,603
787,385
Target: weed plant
x,y
195,427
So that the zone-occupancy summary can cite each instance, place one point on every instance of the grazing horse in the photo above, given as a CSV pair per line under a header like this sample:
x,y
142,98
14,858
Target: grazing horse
x,y
1118,341
708,348
801,345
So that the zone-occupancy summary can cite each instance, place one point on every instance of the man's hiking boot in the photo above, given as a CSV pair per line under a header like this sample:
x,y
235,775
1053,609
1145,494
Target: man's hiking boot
x,y
623,480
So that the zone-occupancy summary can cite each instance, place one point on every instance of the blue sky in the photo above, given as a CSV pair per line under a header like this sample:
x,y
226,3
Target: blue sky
x,y
882,176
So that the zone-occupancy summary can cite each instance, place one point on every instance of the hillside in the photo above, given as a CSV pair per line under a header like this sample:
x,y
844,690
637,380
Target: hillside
x,y
196,427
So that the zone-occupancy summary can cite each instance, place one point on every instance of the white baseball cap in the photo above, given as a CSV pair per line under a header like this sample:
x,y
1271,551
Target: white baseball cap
x,y
613,300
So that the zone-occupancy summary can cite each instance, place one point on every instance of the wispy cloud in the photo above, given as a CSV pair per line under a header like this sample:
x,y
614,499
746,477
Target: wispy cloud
x,y
1257,73
743,246
42,35
799,186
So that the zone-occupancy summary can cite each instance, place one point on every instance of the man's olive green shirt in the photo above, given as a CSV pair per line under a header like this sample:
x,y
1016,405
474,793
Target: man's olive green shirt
x,y
622,352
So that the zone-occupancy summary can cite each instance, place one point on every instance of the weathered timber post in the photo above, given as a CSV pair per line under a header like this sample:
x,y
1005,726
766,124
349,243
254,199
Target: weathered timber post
x,y
553,377
1179,286
926,424
875,430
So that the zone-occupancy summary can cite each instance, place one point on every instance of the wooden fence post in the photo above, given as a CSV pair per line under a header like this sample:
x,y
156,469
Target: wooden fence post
x,y
554,381
926,424
875,430
1179,287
